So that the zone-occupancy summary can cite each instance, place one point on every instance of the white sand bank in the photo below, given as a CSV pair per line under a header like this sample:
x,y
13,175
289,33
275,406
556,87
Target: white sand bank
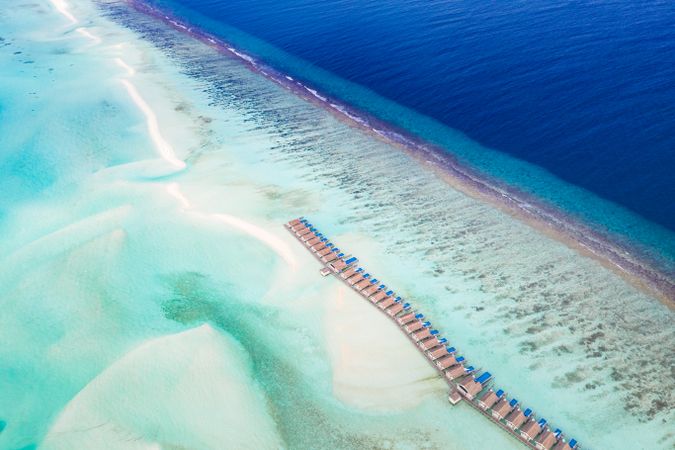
x,y
262,234
375,366
188,390
64,9
164,149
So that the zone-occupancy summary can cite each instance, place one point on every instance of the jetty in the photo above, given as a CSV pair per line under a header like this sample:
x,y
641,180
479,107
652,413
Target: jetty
x,y
464,381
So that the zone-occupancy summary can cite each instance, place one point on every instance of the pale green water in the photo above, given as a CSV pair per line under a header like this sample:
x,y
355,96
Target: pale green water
x,y
98,257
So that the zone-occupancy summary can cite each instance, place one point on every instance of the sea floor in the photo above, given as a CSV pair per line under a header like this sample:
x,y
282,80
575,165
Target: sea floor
x,y
152,299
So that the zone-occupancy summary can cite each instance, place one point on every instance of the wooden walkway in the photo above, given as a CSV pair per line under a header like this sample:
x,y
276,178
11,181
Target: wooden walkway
x,y
465,385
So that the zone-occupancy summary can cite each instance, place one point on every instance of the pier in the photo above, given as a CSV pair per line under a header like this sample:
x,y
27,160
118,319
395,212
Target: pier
x,y
464,382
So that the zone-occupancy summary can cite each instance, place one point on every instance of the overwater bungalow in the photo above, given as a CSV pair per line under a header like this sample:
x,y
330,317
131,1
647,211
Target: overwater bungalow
x,y
518,418
424,334
413,326
308,236
388,299
532,429
369,281
432,343
440,353
562,445
332,256
449,361
294,222
416,326
351,261
358,277
300,230
471,386
324,251
321,248
388,295
318,247
398,307
458,371
349,272
386,303
380,289
490,398
323,243
303,232
299,226
407,318
503,408
315,240
339,266
370,290
362,284
437,353
379,295
547,439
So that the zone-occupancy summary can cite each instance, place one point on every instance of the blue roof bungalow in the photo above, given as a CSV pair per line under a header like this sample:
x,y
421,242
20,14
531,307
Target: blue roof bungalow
x,y
548,439
342,264
295,222
432,343
440,353
353,270
471,386
490,398
562,445
416,326
407,318
503,408
398,307
358,278
517,418
458,371
532,429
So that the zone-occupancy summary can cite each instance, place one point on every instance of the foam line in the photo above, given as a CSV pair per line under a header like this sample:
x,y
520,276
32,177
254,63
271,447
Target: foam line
x,y
62,7
163,147
173,189
130,70
86,33
260,234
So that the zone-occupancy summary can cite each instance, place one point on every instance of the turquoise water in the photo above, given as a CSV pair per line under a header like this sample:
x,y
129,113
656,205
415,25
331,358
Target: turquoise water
x,y
645,237
138,313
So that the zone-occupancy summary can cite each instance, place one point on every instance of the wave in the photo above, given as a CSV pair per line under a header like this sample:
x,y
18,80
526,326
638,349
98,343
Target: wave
x,y
625,259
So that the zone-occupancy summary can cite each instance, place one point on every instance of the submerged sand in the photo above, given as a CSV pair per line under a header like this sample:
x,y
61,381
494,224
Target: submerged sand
x,y
187,390
375,366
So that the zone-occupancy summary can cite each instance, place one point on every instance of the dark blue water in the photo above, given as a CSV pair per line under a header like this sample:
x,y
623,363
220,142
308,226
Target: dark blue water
x,y
585,90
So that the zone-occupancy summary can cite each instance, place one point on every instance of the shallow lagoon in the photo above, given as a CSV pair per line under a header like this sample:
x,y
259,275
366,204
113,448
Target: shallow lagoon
x,y
121,248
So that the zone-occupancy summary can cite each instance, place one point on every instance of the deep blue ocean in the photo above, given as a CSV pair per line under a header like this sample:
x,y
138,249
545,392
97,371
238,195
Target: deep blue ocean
x,y
582,89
